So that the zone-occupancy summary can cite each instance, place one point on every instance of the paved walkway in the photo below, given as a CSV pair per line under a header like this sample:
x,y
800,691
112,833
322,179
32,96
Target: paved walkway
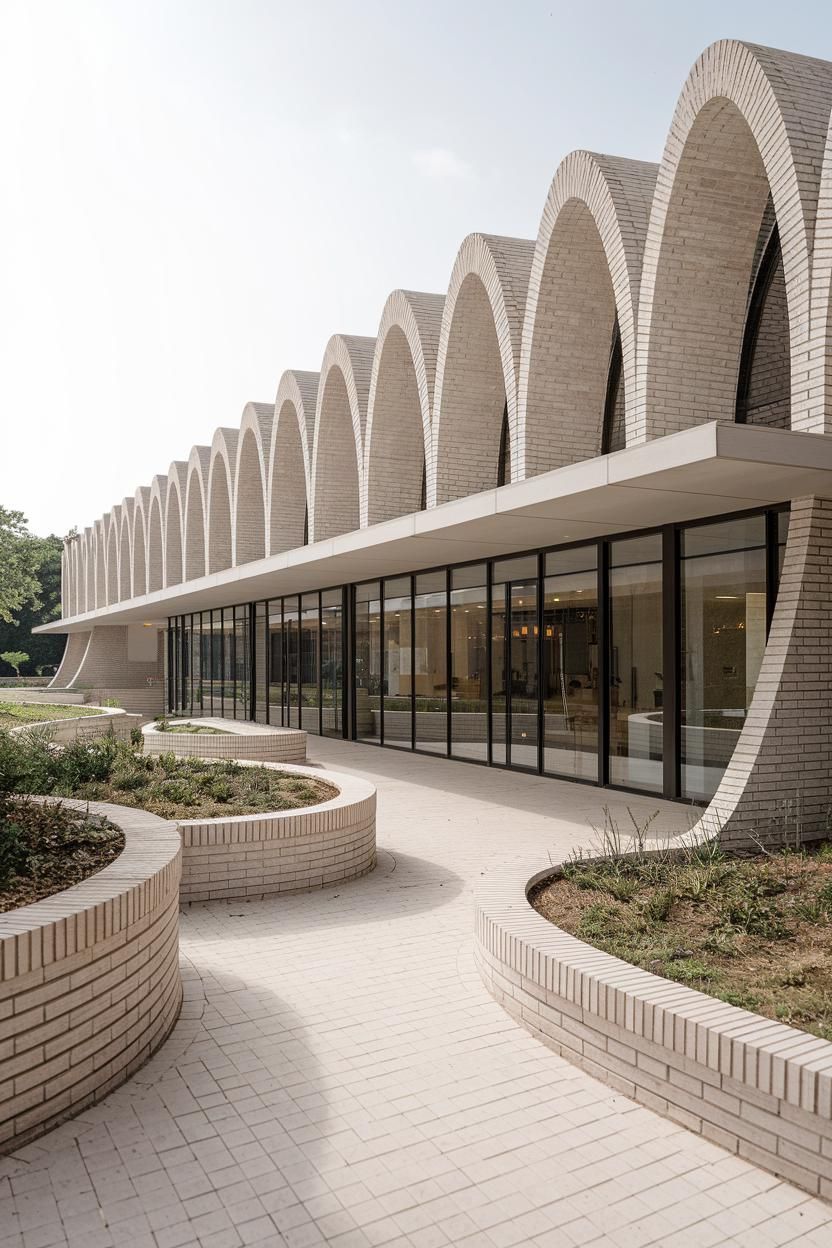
x,y
339,1074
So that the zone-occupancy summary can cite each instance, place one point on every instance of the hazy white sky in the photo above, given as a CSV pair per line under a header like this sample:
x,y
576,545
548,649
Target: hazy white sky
x,y
196,193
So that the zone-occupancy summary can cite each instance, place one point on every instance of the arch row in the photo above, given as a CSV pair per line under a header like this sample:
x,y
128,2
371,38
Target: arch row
x,y
654,298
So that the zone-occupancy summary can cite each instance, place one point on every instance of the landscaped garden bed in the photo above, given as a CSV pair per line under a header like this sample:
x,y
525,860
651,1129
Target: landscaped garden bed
x,y
46,847
108,770
755,931
14,714
186,726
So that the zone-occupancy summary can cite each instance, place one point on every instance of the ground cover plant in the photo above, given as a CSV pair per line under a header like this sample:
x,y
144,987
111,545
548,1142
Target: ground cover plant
x,y
179,725
109,770
13,714
46,847
753,931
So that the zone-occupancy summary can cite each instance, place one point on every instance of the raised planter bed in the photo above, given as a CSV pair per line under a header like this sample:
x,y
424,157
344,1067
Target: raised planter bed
x,y
89,979
259,743
755,1086
290,851
108,721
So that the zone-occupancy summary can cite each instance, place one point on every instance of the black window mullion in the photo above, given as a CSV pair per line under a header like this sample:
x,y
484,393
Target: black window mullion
x,y
540,715
671,678
413,662
489,660
382,643
604,639
320,648
448,663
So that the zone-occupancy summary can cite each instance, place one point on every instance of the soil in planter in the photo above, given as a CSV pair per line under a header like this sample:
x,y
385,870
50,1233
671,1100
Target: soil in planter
x,y
13,714
754,932
46,847
198,729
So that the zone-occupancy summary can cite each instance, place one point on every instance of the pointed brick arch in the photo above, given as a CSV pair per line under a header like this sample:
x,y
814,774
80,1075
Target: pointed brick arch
x,y
196,504
174,514
156,535
250,482
584,279
112,556
749,121
289,471
125,550
141,512
218,527
478,364
398,453
340,418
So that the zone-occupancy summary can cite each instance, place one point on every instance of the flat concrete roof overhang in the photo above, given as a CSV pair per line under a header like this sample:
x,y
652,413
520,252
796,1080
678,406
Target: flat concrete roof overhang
x,y
705,471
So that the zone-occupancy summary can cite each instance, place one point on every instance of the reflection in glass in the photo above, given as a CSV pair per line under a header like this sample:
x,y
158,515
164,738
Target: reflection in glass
x,y
261,693
310,712
522,651
499,676
291,661
331,662
398,656
368,662
636,667
276,689
469,662
723,640
430,663
570,668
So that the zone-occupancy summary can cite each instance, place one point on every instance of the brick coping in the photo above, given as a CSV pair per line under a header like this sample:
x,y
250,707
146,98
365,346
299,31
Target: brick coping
x,y
266,824
234,727
103,712
757,1078
43,932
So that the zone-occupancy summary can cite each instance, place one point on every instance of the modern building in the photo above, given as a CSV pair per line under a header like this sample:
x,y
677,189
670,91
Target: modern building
x,y
569,517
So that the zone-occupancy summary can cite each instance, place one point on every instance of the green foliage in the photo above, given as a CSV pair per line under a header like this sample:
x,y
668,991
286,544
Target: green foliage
x,y
30,591
15,659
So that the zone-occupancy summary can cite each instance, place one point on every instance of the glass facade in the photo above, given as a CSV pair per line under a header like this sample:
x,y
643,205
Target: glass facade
x,y
629,661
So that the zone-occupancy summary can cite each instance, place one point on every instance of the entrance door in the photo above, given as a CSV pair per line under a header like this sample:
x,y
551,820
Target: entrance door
x,y
514,711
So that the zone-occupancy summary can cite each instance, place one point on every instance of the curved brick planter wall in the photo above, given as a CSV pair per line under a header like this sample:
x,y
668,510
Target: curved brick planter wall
x,y
257,743
286,852
111,721
756,1087
89,980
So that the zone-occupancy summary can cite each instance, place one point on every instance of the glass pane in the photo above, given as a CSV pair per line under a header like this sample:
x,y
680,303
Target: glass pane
x,y
276,692
515,569
523,670
578,559
636,550
636,681
310,713
368,662
570,675
499,679
228,663
261,639
782,537
291,668
711,539
723,639
431,668
398,653
332,677
242,663
469,663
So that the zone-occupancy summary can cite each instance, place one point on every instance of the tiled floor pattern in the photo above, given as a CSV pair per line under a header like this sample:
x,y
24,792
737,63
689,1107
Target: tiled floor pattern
x,y
340,1076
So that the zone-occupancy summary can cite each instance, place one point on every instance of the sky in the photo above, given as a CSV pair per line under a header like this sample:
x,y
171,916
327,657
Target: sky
x,y
196,194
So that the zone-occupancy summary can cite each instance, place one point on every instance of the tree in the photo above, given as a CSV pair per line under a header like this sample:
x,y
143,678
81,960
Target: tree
x,y
19,564
15,659
30,591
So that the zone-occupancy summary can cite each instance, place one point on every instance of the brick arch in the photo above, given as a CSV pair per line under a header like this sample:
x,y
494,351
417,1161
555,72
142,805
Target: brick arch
x,y
89,570
249,529
219,531
289,470
818,417
174,513
750,121
477,365
100,531
337,452
398,450
584,278
125,550
196,506
156,534
112,556
141,517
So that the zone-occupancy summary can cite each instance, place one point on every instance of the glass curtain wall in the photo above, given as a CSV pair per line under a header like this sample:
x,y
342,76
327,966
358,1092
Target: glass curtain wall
x,y
571,670
636,680
469,662
397,719
430,670
629,661
724,617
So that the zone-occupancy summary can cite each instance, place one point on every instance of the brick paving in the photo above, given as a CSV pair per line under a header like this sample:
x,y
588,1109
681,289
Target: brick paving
x,y
340,1076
